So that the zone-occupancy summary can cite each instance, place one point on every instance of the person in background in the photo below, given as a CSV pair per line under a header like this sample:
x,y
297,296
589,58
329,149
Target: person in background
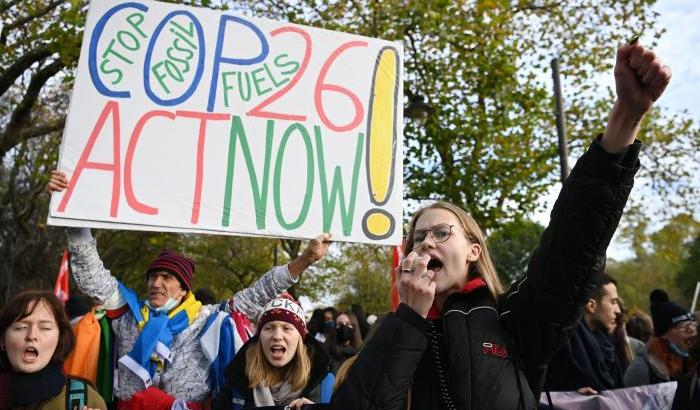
x,y
35,339
666,357
688,391
282,365
346,341
588,361
315,325
206,296
76,306
361,319
640,327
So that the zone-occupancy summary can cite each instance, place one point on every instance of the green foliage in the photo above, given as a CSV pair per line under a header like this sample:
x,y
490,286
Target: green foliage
x,y
689,274
658,263
511,247
362,275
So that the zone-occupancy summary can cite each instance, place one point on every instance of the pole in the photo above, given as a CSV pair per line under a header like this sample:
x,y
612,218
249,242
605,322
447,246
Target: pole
x,y
561,123
695,297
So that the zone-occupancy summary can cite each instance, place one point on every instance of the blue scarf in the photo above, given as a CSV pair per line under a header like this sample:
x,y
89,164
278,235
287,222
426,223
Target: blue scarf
x,y
157,331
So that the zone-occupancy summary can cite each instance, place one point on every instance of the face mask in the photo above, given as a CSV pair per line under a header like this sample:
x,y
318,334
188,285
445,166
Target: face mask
x,y
344,333
680,352
167,307
328,325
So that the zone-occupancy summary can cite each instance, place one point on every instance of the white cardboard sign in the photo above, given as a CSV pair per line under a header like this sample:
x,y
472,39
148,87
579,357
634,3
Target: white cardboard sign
x,y
194,120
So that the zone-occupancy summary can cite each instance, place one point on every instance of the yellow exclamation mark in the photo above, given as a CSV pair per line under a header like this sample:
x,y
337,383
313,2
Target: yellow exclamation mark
x,y
381,143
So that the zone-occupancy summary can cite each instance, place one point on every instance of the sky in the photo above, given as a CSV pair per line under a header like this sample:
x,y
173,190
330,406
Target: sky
x,y
679,48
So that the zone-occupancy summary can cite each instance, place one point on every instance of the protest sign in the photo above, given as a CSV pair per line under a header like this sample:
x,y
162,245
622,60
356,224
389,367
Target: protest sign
x,y
194,120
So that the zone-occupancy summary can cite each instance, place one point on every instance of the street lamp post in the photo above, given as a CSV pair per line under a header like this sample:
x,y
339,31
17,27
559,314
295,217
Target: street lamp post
x,y
561,123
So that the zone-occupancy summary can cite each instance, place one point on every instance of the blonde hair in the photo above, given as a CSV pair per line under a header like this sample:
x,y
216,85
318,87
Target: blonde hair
x,y
260,371
343,371
483,267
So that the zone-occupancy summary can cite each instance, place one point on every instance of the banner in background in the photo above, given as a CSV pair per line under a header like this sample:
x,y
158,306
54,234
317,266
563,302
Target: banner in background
x,y
650,397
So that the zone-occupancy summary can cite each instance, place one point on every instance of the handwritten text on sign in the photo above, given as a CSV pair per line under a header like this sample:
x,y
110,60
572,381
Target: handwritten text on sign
x,y
195,120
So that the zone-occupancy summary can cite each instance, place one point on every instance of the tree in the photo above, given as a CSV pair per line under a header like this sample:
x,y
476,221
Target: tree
x,y
657,263
689,274
511,247
362,275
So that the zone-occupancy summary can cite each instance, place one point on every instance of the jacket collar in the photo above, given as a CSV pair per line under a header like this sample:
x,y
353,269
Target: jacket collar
x,y
477,283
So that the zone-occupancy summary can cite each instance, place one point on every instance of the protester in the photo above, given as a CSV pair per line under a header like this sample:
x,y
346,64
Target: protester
x,y
361,319
162,353
640,327
666,356
35,338
587,362
345,342
282,365
315,325
688,391
456,341
206,296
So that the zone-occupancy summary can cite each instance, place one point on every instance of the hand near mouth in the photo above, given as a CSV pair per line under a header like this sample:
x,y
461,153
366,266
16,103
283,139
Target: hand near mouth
x,y
416,285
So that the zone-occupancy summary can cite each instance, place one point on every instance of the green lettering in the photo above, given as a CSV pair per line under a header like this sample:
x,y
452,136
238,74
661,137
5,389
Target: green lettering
x,y
259,193
258,80
337,192
304,212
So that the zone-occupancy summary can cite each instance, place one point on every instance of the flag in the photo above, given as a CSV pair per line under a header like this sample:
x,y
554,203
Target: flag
x,y
398,255
60,289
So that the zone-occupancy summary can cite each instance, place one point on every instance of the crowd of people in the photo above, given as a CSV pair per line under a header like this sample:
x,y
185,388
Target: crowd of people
x,y
458,340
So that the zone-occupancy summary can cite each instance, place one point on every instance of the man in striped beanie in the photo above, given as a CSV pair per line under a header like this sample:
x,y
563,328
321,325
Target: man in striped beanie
x,y
169,279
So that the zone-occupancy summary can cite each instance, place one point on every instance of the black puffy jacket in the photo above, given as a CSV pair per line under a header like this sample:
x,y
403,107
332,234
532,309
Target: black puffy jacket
x,y
493,354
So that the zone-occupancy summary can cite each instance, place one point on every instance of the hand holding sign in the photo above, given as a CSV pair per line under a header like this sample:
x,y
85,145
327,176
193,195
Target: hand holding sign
x,y
314,252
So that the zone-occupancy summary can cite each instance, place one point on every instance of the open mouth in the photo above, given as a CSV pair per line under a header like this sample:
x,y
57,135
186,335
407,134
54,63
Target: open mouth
x,y
277,352
435,264
30,354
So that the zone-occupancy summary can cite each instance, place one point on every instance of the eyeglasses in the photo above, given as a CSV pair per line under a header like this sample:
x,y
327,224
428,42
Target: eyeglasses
x,y
686,326
440,233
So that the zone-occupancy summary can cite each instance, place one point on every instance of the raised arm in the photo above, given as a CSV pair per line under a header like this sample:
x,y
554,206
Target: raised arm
x,y
542,308
251,300
88,270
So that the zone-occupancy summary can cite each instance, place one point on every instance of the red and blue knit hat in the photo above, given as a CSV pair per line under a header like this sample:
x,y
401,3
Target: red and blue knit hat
x,y
286,309
176,264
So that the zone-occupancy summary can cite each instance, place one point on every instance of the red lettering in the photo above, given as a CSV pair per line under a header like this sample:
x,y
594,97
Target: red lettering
x,y
203,117
111,107
258,110
134,203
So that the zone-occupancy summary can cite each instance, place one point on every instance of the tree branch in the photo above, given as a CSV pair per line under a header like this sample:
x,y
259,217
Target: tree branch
x,y
26,19
8,77
43,129
21,115
8,5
